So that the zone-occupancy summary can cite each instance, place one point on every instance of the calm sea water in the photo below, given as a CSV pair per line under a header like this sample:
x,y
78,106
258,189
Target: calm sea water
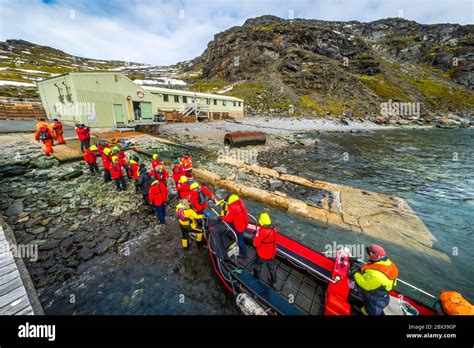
x,y
432,169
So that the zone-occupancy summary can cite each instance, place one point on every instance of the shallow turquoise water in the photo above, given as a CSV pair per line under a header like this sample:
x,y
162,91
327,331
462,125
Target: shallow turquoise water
x,y
431,169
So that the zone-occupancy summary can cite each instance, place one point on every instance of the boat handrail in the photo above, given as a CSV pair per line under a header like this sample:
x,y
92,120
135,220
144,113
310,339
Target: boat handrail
x,y
400,280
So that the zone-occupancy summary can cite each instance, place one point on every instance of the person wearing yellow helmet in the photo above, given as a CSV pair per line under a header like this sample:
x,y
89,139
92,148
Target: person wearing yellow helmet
x,y
183,187
90,156
189,221
106,163
160,173
265,245
237,217
117,174
199,195
156,161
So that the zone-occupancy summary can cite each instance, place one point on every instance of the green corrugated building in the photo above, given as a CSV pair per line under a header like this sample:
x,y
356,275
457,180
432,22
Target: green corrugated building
x,y
112,100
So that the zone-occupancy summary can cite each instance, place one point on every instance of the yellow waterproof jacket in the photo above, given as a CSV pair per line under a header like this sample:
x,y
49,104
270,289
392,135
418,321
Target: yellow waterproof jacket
x,y
190,218
372,279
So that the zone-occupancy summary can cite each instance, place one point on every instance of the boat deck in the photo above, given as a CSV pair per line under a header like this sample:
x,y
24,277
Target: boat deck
x,y
292,283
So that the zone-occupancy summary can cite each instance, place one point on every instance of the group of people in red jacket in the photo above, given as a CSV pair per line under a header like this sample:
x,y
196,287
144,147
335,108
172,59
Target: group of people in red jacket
x,y
153,185
234,216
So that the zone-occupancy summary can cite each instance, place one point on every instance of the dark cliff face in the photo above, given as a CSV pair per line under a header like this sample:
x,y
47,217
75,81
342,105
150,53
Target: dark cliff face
x,y
346,67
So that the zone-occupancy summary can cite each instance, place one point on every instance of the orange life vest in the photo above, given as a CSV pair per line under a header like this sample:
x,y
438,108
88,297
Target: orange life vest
x,y
453,303
390,271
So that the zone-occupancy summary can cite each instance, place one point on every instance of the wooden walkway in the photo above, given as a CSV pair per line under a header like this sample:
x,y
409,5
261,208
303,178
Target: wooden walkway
x,y
14,299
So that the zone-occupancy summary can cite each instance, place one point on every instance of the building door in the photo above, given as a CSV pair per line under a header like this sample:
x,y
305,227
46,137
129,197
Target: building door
x,y
118,113
146,110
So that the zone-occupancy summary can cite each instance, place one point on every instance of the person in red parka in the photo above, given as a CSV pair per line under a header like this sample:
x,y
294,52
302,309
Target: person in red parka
x,y
107,164
236,215
101,146
58,130
265,243
187,162
134,171
178,171
198,197
90,156
46,135
158,196
156,162
159,173
84,135
117,173
183,188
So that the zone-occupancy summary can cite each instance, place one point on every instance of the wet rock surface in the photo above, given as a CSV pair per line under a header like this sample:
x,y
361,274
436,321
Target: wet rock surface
x,y
80,222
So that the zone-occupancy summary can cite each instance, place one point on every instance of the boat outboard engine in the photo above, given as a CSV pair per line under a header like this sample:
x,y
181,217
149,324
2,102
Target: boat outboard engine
x,y
248,305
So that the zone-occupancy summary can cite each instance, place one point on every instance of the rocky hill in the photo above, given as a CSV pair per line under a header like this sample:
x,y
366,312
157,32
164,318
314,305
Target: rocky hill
x,y
313,67
22,63
299,68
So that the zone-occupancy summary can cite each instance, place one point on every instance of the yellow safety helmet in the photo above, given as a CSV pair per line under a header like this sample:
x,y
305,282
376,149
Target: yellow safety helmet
x,y
183,179
232,198
93,148
264,219
107,151
194,185
155,182
180,206
133,162
155,156
116,149
114,158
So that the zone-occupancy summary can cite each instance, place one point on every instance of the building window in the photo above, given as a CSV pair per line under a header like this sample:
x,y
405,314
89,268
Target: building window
x,y
240,103
223,103
165,98
215,101
176,98
185,99
208,101
235,104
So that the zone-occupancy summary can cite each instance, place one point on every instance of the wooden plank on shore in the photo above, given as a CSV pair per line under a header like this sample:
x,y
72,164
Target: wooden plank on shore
x,y
10,297
10,286
8,269
16,306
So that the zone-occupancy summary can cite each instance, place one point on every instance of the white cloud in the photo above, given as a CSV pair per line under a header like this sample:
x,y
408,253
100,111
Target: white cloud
x,y
155,32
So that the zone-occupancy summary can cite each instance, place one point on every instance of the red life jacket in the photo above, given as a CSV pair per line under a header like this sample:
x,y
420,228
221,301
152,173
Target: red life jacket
x,y
106,162
134,170
178,172
184,190
122,158
265,242
158,194
116,171
90,157
187,163
237,215
160,176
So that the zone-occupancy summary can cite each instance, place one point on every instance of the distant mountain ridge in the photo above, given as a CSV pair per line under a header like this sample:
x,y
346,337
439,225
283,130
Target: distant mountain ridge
x,y
299,68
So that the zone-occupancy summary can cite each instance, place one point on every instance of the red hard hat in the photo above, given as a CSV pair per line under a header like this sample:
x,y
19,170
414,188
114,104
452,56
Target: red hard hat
x,y
376,252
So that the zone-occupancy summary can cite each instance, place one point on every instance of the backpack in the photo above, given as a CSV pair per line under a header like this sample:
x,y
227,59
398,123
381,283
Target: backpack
x,y
202,198
44,133
181,215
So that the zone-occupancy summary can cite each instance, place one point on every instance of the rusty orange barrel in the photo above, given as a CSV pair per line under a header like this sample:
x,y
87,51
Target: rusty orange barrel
x,y
238,139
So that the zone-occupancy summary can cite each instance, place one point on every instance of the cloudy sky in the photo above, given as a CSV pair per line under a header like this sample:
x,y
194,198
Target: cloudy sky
x,y
168,31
